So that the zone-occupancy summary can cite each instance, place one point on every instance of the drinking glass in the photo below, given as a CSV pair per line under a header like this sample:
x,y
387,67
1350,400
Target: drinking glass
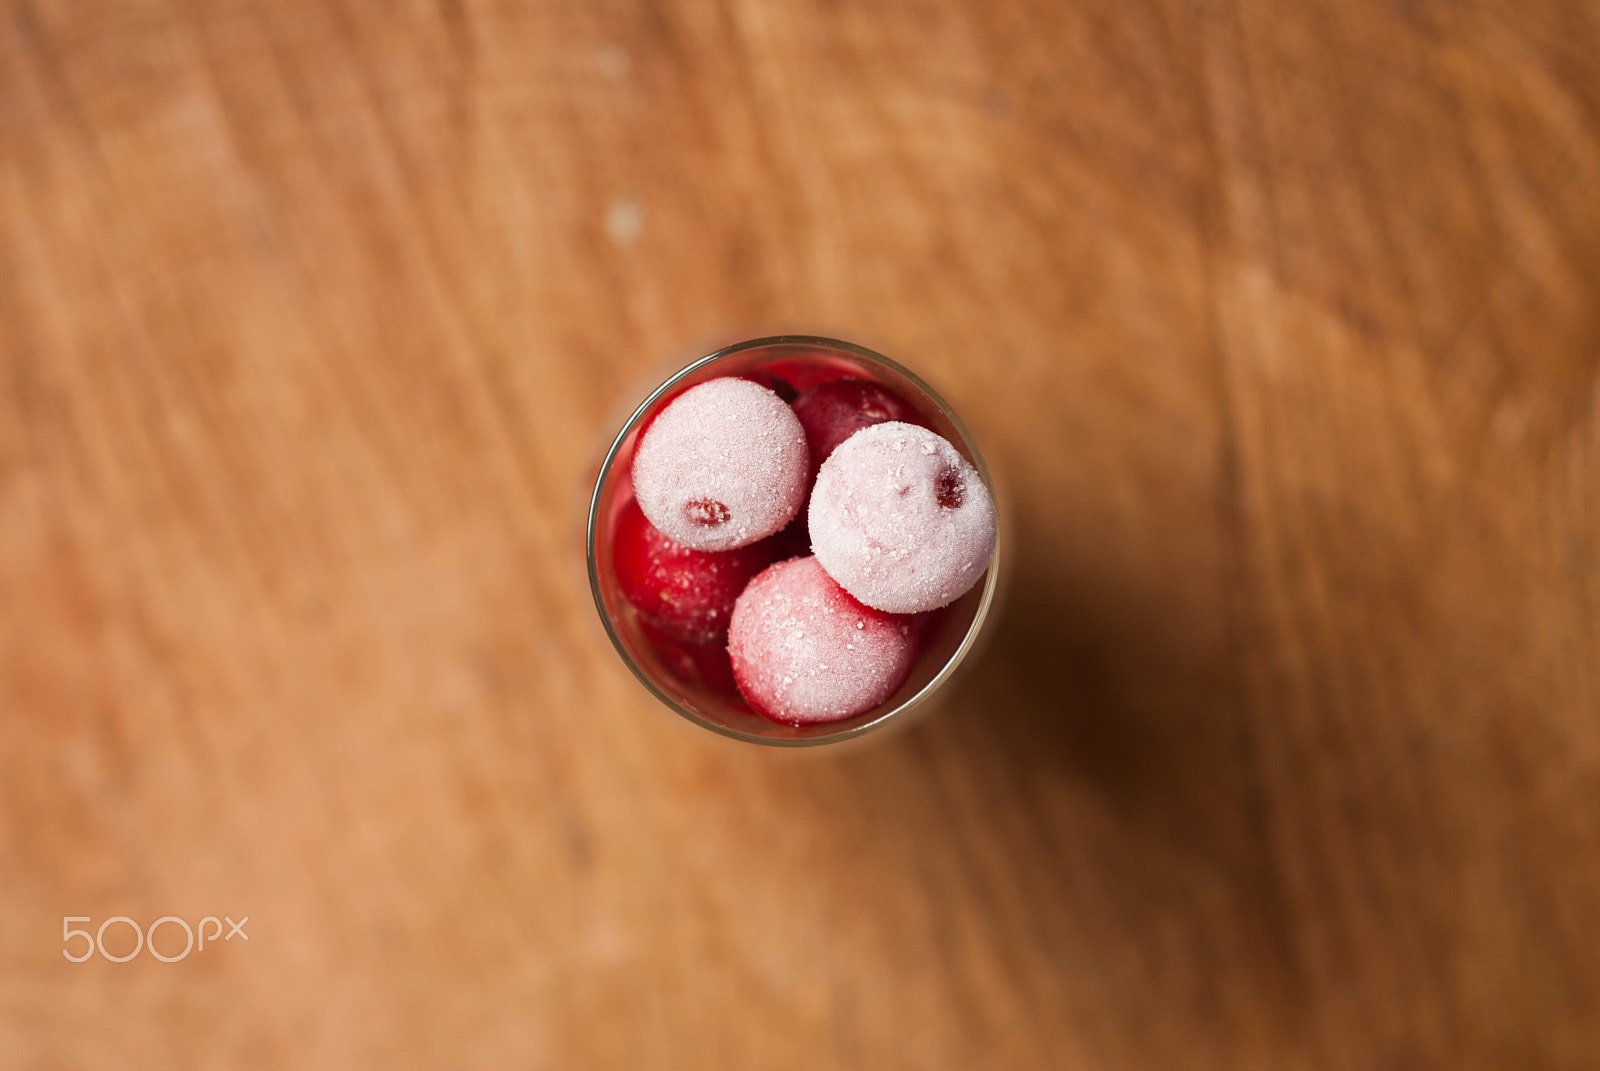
x,y
693,680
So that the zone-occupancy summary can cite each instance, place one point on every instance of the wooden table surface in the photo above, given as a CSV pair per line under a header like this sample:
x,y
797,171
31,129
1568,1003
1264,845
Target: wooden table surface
x,y
1282,323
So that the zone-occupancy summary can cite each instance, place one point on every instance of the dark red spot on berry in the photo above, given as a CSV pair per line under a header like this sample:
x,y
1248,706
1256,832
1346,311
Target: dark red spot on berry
x,y
948,490
706,512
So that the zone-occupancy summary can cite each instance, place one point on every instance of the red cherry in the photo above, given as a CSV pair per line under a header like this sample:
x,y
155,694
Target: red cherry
x,y
699,667
834,410
687,594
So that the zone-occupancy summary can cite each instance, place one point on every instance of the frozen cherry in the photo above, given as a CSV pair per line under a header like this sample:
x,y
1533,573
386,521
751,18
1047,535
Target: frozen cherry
x,y
834,410
805,652
722,466
685,593
901,519
698,667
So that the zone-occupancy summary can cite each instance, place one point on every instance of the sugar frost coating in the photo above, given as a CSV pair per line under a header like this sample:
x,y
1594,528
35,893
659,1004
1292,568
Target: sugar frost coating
x,y
722,466
900,519
805,652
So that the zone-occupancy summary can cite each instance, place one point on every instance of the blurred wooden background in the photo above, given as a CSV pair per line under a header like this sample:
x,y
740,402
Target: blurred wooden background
x,y
1282,321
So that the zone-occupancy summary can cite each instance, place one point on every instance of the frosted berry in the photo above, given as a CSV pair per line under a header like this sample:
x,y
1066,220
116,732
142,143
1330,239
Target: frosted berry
x,y
805,652
900,519
722,466
687,594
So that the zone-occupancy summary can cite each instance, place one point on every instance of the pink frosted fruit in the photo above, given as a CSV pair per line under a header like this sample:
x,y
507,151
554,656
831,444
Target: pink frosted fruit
x,y
722,466
900,519
804,652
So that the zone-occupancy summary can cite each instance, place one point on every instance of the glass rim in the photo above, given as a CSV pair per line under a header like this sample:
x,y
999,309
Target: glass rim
x,y
896,713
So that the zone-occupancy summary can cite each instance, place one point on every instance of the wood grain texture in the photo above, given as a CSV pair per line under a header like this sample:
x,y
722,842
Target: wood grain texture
x,y
1282,323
